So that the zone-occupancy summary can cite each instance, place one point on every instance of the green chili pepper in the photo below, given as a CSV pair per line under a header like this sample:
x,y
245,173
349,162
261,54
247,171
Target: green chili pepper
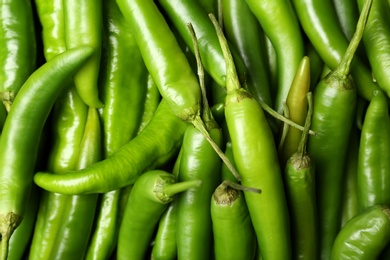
x,y
286,30
123,93
210,6
123,90
198,161
83,27
51,17
234,237
350,206
374,154
69,118
243,30
152,100
321,25
364,236
297,105
149,198
376,39
21,132
348,15
21,238
299,179
333,117
77,212
257,161
316,64
158,44
153,147
18,47
165,242
182,12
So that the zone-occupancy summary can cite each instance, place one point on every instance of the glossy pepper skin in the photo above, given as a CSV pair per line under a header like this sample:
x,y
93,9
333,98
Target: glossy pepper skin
x,y
198,161
182,12
148,199
254,152
21,238
374,154
364,236
83,27
376,40
234,237
321,25
19,142
123,92
334,101
287,30
165,242
18,47
69,237
155,145
69,118
157,45
244,32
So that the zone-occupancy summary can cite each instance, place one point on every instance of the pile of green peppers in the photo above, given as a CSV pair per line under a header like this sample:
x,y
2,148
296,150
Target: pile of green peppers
x,y
194,129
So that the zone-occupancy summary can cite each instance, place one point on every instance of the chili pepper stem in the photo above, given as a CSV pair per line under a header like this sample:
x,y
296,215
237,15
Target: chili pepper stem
x,y
233,83
236,186
344,67
175,188
302,143
198,123
8,223
286,127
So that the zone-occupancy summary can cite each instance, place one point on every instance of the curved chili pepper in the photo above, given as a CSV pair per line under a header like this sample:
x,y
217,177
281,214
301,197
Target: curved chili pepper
x,y
83,27
287,31
157,44
259,167
335,100
21,132
170,75
149,198
374,154
180,13
155,145
234,237
364,236
321,25
376,39
69,119
18,47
